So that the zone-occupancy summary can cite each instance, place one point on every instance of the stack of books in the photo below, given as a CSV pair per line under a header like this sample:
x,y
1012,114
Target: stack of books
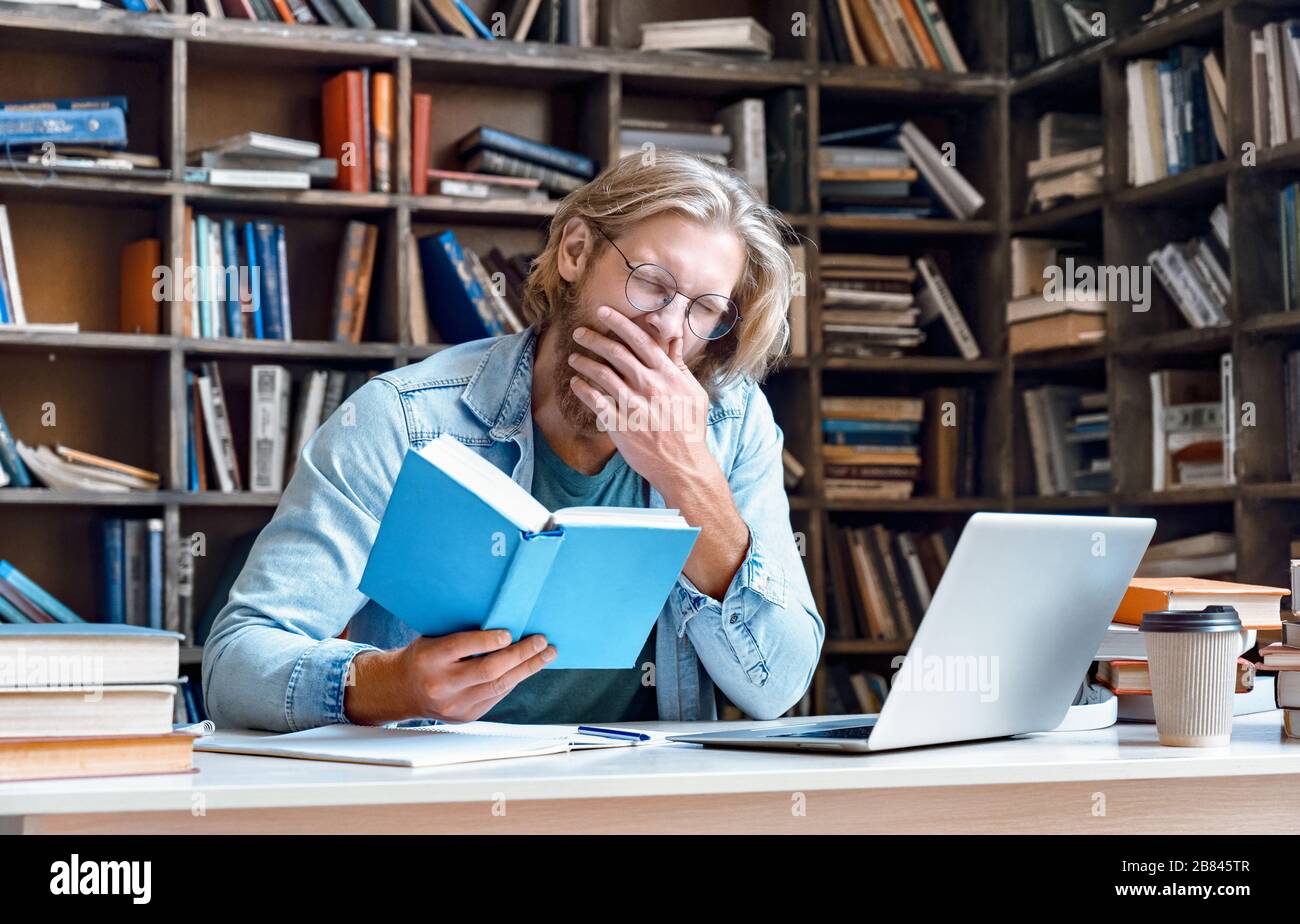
x,y
870,447
459,295
737,35
1176,113
1049,308
1069,161
25,602
488,150
63,469
737,137
1060,26
132,571
343,13
13,315
1196,273
889,33
68,723
1275,83
78,136
357,119
258,160
869,171
1122,657
1206,555
1192,426
882,580
1069,439
559,22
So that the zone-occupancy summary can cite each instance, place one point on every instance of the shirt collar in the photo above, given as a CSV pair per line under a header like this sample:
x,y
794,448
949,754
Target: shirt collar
x,y
500,392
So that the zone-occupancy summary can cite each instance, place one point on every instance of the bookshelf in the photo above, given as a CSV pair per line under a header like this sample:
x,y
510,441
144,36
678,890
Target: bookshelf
x,y
189,82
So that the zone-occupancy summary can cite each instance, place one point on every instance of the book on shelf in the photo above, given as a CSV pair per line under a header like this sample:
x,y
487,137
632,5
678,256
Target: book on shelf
x,y
871,171
882,580
341,13
786,136
25,602
51,727
1053,306
1069,439
737,35
1207,555
461,297
1054,180
870,447
139,310
1191,423
563,22
1170,126
489,150
1275,82
1196,273
13,470
554,564
890,34
64,469
357,115
103,126
1062,25
353,279
131,572
798,315
737,138
949,443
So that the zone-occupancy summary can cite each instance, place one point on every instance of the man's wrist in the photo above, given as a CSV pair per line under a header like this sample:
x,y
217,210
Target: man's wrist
x,y
377,691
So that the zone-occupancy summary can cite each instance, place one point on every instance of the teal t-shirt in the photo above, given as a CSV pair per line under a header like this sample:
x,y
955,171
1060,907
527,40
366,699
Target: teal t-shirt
x,y
573,697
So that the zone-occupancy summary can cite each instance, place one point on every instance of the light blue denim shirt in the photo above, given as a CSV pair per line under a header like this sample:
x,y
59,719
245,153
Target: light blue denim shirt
x,y
274,659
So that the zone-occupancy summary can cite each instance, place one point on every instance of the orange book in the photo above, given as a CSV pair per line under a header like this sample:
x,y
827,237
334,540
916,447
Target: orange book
x,y
282,8
344,130
138,311
421,136
365,274
381,113
1259,607
867,173
871,35
920,36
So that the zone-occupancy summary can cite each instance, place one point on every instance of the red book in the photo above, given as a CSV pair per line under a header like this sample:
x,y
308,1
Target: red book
x,y
343,109
421,132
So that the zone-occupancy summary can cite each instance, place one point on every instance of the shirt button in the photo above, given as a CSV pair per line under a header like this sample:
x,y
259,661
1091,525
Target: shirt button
x,y
734,619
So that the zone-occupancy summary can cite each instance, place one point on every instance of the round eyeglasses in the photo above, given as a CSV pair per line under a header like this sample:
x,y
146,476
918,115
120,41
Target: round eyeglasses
x,y
650,287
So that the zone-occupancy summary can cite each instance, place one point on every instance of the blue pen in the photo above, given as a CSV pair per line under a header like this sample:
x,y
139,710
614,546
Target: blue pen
x,y
613,733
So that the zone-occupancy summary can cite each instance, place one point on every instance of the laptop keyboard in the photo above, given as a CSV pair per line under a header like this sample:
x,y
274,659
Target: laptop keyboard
x,y
851,731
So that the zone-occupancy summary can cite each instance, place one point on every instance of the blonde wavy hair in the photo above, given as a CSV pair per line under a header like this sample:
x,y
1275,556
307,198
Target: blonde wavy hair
x,y
638,187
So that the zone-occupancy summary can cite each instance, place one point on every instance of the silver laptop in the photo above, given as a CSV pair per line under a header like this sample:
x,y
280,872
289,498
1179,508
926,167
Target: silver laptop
x,y
1014,623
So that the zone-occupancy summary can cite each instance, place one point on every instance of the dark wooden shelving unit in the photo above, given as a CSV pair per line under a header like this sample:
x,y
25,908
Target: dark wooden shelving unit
x,y
123,395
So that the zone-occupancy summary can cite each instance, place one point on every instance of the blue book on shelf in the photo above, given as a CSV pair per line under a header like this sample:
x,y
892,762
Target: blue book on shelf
x,y
191,454
494,139
230,261
135,6
155,582
11,614
282,274
113,539
72,102
101,127
268,261
456,302
475,23
85,630
37,594
255,277
874,427
591,579
9,458
880,132
4,305
204,288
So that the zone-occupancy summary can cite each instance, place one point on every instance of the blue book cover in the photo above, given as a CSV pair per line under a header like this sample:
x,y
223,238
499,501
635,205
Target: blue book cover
x,y
474,21
11,614
37,594
102,127
155,579
878,427
4,305
84,630
113,539
230,260
204,287
448,294
255,274
494,139
73,102
282,274
9,458
268,262
592,580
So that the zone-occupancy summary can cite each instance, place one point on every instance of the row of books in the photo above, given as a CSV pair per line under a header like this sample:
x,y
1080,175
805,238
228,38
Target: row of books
x,y
345,13
1193,426
1177,113
1069,439
889,33
883,447
121,721
1069,162
1055,303
565,22
872,171
1060,26
876,305
1197,274
735,137
1275,82
493,163
260,160
132,572
211,456
467,296
25,602
882,580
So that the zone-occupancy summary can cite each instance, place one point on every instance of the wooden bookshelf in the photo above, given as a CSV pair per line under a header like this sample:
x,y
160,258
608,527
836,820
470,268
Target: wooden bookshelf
x,y
123,395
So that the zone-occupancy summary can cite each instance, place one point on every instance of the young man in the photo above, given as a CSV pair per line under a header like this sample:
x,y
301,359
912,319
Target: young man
x,y
662,286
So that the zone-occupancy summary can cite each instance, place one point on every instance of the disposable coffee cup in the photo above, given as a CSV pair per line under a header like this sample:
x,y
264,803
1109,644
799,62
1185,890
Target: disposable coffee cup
x,y
1192,655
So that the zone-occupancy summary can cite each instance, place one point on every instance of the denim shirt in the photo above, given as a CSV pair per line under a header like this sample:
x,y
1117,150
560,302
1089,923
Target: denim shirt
x,y
274,659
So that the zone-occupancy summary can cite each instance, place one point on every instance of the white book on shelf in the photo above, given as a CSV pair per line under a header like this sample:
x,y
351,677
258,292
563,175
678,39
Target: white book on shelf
x,y
14,293
744,123
311,403
937,299
268,432
263,144
960,197
1227,390
1141,158
220,442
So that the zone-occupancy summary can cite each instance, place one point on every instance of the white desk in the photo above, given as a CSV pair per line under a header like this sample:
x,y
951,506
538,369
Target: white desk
x,y
1115,780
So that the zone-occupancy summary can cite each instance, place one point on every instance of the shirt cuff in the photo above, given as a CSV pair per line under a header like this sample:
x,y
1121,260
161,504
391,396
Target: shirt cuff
x,y
318,683
758,580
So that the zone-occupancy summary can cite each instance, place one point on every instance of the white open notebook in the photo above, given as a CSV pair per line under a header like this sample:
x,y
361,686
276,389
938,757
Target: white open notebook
x,y
418,746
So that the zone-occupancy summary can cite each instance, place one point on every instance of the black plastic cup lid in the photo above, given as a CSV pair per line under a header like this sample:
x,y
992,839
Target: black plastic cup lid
x,y
1217,618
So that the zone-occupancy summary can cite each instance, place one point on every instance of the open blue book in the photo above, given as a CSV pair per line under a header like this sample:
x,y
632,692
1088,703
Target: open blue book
x,y
462,547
